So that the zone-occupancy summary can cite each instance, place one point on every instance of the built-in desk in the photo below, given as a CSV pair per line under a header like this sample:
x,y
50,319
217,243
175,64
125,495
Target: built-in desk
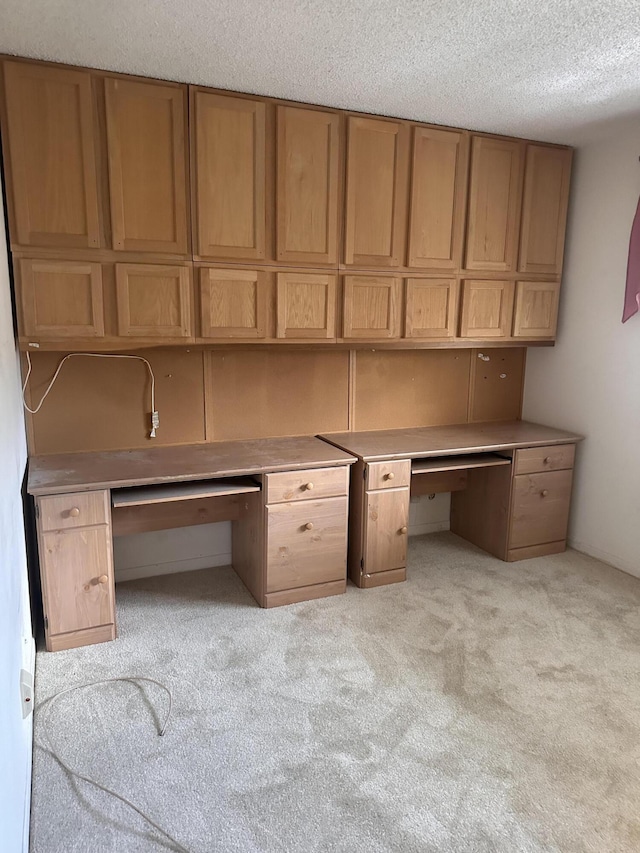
x,y
287,499
510,485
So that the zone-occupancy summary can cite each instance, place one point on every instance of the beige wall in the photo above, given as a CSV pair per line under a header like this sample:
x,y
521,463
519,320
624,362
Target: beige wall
x,y
16,642
590,381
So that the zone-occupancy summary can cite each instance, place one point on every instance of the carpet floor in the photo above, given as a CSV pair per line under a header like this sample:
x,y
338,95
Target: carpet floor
x,y
480,706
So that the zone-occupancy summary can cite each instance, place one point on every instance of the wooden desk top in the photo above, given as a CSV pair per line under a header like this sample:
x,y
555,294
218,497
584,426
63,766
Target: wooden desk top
x,y
80,472
377,445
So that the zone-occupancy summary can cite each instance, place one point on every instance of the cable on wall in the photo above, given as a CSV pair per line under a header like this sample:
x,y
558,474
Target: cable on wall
x,y
44,709
155,417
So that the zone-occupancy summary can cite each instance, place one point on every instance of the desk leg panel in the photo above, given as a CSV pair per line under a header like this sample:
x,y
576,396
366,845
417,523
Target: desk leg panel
x,y
481,512
248,545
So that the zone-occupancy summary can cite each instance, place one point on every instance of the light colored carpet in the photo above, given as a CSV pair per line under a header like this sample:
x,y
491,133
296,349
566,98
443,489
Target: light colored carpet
x,y
480,706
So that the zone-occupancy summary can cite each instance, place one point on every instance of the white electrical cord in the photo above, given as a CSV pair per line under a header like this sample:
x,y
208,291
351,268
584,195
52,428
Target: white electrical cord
x,y
155,421
50,749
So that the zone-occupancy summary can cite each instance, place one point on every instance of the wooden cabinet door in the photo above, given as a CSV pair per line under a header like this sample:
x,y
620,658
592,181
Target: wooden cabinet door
x,y
61,299
385,530
306,305
494,204
50,150
544,209
536,309
376,202
154,301
431,308
487,307
233,303
306,543
540,508
146,132
307,186
230,176
77,576
372,307
438,195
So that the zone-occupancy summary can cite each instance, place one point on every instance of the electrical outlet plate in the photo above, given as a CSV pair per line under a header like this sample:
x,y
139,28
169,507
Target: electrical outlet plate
x,y
26,692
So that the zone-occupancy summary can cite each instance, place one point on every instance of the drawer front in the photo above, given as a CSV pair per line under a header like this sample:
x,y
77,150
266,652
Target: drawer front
x,y
540,508
553,458
388,475
307,485
306,543
80,509
77,579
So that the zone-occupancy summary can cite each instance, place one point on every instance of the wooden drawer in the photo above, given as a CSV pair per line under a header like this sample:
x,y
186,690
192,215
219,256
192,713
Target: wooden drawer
x,y
540,508
388,475
306,543
307,485
79,509
553,458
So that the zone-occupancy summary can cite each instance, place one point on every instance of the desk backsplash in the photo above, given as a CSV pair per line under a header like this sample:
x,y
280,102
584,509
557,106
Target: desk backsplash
x,y
236,393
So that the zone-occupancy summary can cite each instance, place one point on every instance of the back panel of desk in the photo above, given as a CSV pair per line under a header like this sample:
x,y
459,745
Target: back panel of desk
x,y
235,393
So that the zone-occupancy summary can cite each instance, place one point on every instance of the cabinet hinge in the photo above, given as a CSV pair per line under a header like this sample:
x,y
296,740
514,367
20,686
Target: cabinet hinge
x,y
364,472
46,622
37,511
361,563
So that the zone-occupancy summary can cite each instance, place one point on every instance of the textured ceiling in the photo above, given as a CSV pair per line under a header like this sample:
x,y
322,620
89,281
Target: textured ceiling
x,y
547,69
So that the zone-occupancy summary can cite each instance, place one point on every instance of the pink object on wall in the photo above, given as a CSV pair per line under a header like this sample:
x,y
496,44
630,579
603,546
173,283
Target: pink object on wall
x,y
632,292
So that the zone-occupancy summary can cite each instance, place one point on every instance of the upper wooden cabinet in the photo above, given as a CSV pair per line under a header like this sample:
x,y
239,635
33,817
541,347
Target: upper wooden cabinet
x,y
431,308
536,309
487,308
372,307
494,204
307,192
146,135
229,136
61,299
544,209
50,154
306,305
154,301
438,195
233,303
376,200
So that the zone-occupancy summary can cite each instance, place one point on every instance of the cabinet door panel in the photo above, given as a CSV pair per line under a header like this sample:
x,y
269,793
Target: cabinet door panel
x,y
73,562
230,187
307,187
438,193
61,299
306,305
544,209
153,301
372,307
376,204
487,307
431,308
233,303
540,508
494,204
536,309
52,156
385,535
306,543
146,131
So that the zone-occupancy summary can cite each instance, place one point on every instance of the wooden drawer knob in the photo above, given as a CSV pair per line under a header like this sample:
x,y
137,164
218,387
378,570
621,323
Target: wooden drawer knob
x,y
402,530
308,486
544,492
546,460
74,512
103,579
309,525
389,476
